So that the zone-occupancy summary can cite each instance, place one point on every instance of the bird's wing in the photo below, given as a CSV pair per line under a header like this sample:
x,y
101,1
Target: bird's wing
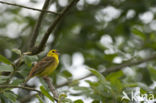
x,y
41,65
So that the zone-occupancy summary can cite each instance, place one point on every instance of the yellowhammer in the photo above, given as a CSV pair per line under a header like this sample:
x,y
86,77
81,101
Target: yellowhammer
x,y
46,66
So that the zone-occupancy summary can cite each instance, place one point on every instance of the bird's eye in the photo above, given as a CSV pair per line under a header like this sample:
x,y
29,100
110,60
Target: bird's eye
x,y
52,51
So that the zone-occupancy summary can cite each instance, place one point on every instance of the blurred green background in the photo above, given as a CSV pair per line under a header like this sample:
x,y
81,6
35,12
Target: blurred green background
x,y
97,34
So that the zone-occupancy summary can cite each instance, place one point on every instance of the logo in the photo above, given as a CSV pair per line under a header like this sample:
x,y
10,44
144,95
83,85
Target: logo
x,y
125,96
137,97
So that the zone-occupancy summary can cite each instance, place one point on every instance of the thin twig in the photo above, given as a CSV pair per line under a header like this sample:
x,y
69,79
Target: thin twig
x,y
121,66
52,88
38,24
7,3
111,69
14,86
52,27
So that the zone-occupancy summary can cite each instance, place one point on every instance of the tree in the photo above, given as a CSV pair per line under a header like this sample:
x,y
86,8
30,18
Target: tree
x,y
109,46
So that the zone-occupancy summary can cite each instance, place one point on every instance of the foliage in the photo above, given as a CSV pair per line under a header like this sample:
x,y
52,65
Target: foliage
x,y
98,34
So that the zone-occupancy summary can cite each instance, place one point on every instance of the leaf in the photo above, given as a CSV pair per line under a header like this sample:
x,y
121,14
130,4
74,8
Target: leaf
x,y
6,68
152,73
63,99
11,96
43,90
114,79
109,57
131,85
62,96
114,75
66,74
39,98
66,100
29,59
17,51
78,101
142,91
138,33
4,60
17,81
102,81
81,88
97,74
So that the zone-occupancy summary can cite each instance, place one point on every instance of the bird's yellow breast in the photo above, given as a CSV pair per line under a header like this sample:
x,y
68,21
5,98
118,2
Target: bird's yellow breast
x,y
49,70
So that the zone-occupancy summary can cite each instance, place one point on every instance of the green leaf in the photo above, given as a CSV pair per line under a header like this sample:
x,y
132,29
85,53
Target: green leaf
x,y
66,100
81,88
17,81
114,75
4,60
114,79
17,51
11,96
29,59
152,73
142,91
81,91
62,96
43,90
63,99
66,74
138,33
78,101
97,74
130,85
6,68
39,98
109,57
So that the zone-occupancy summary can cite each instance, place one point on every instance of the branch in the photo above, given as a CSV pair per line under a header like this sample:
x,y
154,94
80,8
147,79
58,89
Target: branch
x,y
7,3
112,69
38,24
52,27
121,66
52,88
14,86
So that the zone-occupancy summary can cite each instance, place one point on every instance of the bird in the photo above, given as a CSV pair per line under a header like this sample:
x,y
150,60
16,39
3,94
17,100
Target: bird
x,y
45,66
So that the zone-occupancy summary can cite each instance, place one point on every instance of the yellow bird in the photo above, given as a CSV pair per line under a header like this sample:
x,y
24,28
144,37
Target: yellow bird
x,y
46,66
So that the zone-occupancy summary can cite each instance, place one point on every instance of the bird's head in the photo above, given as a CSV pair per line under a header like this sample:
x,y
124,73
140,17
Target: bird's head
x,y
53,53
